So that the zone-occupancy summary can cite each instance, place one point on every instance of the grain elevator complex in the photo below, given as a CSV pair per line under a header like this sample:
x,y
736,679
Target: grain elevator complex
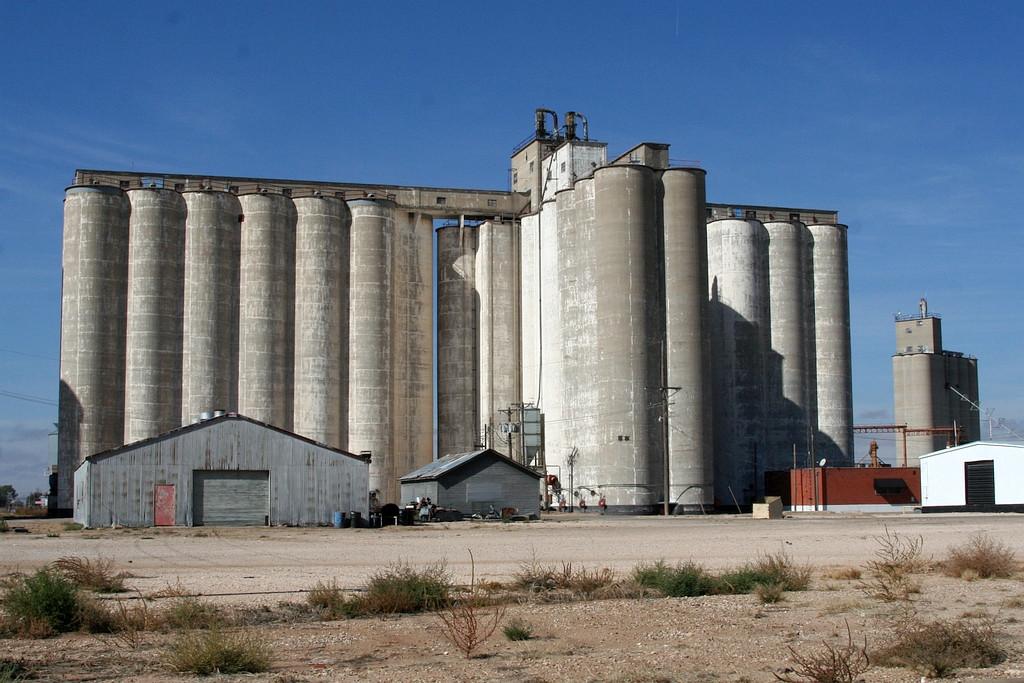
x,y
599,321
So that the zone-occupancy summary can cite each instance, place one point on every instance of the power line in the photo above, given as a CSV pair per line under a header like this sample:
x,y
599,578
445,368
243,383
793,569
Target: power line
x,y
26,397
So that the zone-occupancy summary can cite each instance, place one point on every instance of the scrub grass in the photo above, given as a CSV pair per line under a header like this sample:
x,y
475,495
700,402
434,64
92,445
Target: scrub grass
x,y
42,605
980,557
215,651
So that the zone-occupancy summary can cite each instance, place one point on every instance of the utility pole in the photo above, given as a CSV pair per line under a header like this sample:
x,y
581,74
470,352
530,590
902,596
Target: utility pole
x,y
665,396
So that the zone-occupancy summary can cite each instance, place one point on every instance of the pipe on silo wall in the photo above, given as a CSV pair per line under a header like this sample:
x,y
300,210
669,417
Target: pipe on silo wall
x,y
370,324
738,317
497,275
266,334
788,425
156,306
630,332
93,329
691,469
412,352
210,357
321,319
457,315
834,436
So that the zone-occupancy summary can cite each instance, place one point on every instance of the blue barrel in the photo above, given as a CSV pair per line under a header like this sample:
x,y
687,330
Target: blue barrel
x,y
339,519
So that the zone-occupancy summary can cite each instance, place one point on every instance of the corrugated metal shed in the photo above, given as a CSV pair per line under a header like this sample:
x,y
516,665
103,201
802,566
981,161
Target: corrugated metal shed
x,y
266,474
474,482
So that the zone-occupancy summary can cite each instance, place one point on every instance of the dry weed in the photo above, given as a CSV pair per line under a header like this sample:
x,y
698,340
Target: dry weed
x,y
980,556
899,557
833,664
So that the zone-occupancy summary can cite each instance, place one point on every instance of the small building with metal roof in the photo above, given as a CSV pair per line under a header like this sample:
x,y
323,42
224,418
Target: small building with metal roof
x,y
475,483
977,477
228,470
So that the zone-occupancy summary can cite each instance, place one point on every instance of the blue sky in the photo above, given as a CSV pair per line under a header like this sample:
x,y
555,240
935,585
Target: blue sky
x,y
905,117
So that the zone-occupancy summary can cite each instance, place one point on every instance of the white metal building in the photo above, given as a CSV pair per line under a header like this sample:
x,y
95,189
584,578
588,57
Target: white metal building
x,y
229,470
980,476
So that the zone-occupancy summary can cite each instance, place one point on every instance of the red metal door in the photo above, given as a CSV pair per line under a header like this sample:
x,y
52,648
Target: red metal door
x,y
163,501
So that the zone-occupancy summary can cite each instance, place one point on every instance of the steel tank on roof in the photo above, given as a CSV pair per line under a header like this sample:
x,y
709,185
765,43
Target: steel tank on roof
x,y
266,334
738,317
687,350
630,329
369,402
210,359
93,328
321,319
833,371
156,305
789,359
457,315
498,278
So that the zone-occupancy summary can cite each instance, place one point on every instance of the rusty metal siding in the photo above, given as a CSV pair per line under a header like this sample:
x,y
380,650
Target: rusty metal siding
x,y
308,482
488,481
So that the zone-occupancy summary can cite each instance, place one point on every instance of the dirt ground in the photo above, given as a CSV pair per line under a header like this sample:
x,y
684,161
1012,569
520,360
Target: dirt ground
x,y
264,573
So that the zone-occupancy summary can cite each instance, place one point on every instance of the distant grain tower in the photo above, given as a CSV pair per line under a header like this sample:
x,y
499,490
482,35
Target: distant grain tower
x,y
923,374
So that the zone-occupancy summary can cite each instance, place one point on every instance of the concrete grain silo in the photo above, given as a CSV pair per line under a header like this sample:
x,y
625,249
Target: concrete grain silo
x,y
156,305
576,390
369,400
737,262
686,342
592,295
322,319
266,334
581,285
457,324
789,358
630,328
93,328
833,371
935,390
500,377
412,350
210,358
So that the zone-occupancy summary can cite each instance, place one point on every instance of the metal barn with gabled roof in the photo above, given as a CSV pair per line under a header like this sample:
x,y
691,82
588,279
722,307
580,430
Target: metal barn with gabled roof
x,y
475,482
975,477
229,470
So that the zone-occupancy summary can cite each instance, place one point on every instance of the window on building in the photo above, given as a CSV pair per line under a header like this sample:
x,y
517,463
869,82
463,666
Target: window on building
x,y
442,200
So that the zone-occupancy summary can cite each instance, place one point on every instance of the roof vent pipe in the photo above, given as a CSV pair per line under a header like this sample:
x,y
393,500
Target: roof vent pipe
x,y
541,131
570,125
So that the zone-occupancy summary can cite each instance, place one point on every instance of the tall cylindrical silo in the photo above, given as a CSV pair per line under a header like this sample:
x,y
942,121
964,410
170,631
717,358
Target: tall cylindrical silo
x,y
212,244
630,331
575,403
321,319
691,475
266,333
834,437
93,329
497,275
412,348
919,393
457,322
788,427
370,311
156,305
738,315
